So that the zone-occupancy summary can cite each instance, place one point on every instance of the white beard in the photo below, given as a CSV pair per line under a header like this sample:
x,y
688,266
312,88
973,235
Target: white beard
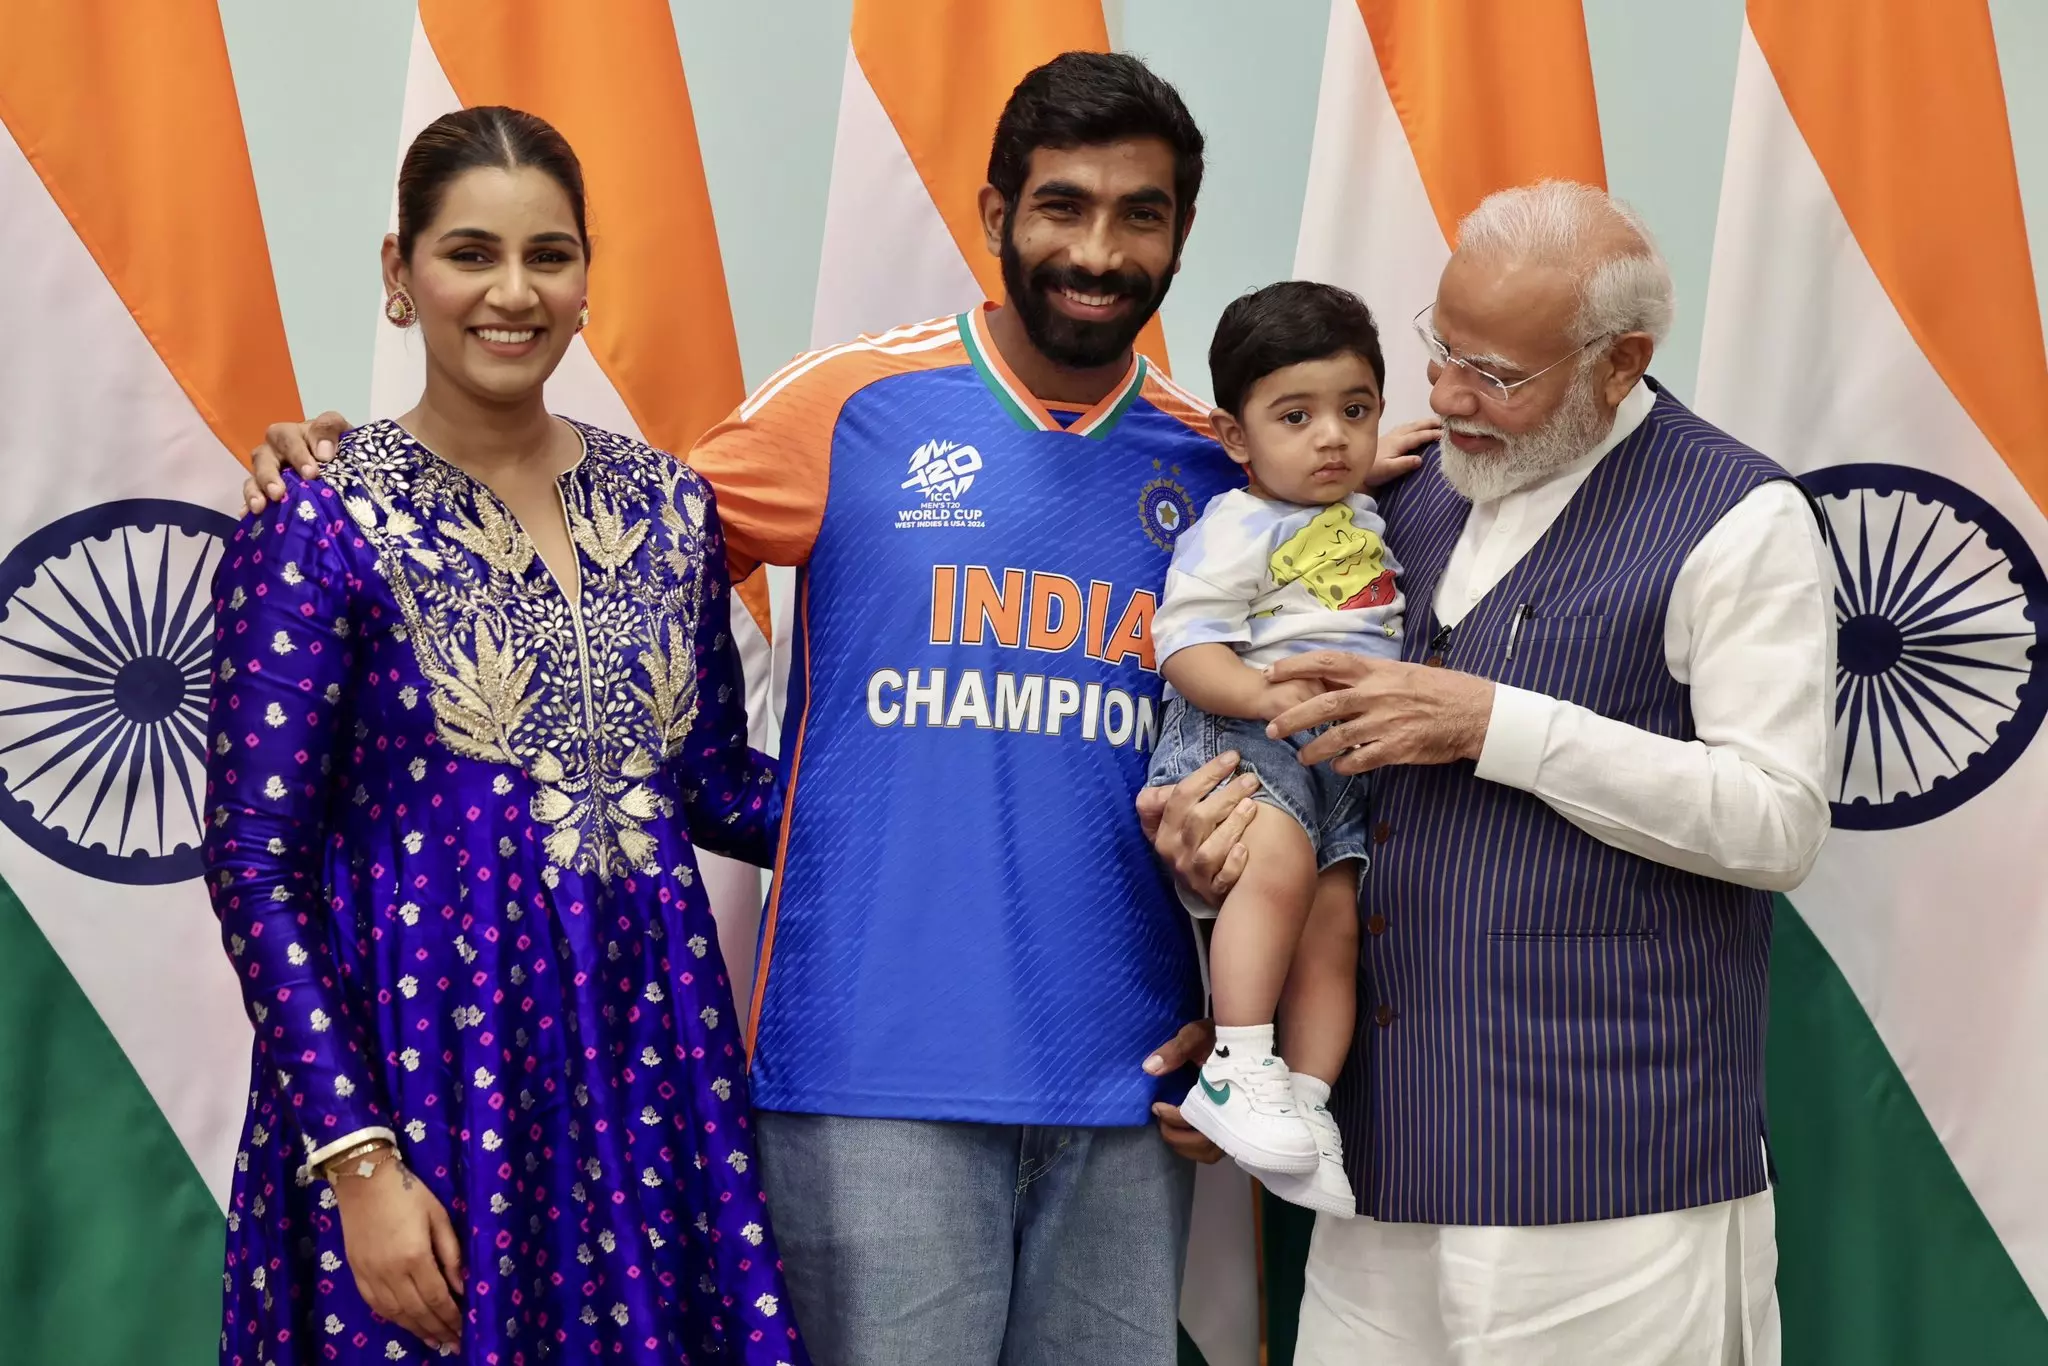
x,y
1573,430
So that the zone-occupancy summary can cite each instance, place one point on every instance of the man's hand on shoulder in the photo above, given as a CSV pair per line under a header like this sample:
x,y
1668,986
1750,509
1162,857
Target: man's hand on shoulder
x,y
303,446
1399,448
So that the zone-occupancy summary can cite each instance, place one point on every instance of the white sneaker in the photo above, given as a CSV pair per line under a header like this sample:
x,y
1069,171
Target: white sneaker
x,y
1326,1190
1245,1106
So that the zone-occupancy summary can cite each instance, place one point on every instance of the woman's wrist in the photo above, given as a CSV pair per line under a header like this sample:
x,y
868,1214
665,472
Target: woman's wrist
x,y
360,1162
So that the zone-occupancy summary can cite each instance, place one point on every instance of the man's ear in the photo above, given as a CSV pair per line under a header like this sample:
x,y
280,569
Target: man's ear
x,y
1629,354
1230,432
995,212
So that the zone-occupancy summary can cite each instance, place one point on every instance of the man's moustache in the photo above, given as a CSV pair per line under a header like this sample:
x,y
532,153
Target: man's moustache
x,y
1117,286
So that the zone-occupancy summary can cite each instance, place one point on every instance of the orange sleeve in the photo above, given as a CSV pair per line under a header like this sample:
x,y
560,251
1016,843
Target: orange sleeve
x,y
1169,398
770,461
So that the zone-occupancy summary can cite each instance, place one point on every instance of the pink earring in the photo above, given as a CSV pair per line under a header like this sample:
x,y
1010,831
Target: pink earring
x,y
583,316
399,308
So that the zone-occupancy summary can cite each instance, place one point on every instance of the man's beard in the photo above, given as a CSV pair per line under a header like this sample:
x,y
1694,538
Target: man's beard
x,y
1073,342
1573,430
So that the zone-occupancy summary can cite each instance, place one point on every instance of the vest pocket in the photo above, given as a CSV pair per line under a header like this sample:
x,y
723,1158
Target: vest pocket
x,y
1540,627
1549,936
1575,1009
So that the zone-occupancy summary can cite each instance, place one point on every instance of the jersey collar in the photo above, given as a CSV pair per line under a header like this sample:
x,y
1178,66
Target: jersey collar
x,y
1024,406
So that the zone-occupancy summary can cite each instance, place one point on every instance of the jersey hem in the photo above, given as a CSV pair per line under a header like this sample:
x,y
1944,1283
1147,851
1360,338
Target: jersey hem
x,y
954,1110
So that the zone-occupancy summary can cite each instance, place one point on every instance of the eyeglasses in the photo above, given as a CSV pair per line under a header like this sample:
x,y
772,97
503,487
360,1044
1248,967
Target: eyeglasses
x,y
1502,391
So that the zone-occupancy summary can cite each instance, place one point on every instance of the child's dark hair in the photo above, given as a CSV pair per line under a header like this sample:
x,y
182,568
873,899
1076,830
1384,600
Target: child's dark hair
x,y
1286,324
484,135
1085,99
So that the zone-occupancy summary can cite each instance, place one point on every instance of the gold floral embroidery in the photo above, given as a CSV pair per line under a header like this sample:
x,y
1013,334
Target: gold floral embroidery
x,y
588,700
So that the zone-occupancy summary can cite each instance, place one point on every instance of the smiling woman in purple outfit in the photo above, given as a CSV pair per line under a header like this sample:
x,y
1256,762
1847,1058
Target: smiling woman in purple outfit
x,y
475,704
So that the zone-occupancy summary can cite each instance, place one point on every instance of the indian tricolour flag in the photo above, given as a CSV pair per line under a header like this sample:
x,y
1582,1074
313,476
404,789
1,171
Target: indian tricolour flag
x,y
1872,323
1425,109
660,360
925,82
141,345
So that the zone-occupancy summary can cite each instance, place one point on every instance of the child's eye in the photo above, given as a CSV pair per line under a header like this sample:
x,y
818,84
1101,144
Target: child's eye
x,y
1294,418
1358,412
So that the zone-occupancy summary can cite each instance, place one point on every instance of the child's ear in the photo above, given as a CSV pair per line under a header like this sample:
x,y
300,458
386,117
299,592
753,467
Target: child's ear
x,y
1230,432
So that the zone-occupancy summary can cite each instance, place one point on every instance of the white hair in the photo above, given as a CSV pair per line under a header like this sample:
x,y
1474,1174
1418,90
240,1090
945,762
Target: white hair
x,y
1624,284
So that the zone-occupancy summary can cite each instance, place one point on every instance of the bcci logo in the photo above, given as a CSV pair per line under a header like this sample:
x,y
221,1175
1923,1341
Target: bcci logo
x,y
943,471
1164,510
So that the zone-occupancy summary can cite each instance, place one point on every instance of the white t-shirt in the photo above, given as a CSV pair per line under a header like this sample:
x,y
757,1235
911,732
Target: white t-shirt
x,y
1272,579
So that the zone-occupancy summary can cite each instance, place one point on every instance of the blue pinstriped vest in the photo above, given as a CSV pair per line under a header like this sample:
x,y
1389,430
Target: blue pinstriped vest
x,y
1550,1029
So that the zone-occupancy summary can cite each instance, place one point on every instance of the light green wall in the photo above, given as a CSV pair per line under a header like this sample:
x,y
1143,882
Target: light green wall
x,y
321,86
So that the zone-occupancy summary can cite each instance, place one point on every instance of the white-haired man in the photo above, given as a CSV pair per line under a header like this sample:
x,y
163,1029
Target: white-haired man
x,y
1607,747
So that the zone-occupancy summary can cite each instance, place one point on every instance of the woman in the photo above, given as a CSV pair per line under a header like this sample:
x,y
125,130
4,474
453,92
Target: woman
x,y
475,699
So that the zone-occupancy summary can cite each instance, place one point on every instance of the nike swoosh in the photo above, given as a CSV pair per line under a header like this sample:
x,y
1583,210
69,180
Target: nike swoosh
x,y
1219,1094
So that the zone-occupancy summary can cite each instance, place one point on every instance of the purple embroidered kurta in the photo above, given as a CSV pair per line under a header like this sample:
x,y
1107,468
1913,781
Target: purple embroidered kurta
x,y
451,846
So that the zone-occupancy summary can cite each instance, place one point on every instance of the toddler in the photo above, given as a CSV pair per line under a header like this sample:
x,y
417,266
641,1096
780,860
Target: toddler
x,y
1292,562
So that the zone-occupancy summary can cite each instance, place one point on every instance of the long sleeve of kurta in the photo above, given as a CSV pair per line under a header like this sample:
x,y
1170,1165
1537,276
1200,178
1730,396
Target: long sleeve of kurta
x,y
732,794
281,675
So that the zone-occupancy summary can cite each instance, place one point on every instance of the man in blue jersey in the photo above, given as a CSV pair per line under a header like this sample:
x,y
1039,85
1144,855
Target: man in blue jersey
x,y
969,955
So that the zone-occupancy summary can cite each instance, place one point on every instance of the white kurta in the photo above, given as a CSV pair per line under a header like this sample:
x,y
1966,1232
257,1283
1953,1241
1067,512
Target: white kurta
x,y
1750,629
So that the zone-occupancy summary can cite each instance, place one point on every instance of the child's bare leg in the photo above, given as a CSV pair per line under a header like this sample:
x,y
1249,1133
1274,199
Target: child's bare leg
x,y
1254,942
1320,999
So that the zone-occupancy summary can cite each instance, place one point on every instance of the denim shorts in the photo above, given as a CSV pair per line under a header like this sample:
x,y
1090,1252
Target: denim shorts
x,y
1328,805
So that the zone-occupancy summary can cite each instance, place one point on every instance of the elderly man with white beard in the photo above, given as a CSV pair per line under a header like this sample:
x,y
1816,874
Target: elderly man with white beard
x,y
1606,747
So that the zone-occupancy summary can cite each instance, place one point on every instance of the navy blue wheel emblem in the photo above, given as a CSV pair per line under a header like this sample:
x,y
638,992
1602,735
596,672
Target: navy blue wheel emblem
x,y
106,641
1941,609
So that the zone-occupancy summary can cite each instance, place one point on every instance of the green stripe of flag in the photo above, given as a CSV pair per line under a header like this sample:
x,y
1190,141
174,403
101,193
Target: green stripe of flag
x,y
1884,1258
110,1244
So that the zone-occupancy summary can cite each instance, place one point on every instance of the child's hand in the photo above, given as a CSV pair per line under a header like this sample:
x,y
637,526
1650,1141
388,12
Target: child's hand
x,y
1397,450
1280,696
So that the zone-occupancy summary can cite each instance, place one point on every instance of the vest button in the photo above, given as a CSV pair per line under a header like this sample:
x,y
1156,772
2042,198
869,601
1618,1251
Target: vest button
x,y
1375,924
1382,832
1385,1016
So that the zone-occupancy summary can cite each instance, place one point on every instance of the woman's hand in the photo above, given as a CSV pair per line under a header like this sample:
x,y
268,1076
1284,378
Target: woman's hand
x,y
403,1251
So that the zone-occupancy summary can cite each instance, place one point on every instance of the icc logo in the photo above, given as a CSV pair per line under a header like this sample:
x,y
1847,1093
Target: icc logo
x,y
943,470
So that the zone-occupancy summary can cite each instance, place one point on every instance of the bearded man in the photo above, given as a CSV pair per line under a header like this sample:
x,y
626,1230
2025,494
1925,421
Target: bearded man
x,y
1606,748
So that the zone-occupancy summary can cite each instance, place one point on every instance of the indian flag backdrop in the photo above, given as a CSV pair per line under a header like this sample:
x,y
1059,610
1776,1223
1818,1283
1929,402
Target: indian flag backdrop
x,y
1872,323
925,82
659,360
1426,107
142,345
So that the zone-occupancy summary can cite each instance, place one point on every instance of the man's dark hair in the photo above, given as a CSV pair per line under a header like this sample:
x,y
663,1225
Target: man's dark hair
x,y
1085,99
1287,324
481,136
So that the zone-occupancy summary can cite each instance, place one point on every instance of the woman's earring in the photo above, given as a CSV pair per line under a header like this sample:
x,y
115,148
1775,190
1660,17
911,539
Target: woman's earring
x,y
399,308
583,316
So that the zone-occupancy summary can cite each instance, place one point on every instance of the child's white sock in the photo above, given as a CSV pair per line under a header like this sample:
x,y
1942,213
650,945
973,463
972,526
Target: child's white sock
x,y
1244,1042
1311,1091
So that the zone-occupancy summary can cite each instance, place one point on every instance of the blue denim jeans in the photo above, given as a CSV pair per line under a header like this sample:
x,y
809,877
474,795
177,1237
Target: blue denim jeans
x,y
915,1243
1325,803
